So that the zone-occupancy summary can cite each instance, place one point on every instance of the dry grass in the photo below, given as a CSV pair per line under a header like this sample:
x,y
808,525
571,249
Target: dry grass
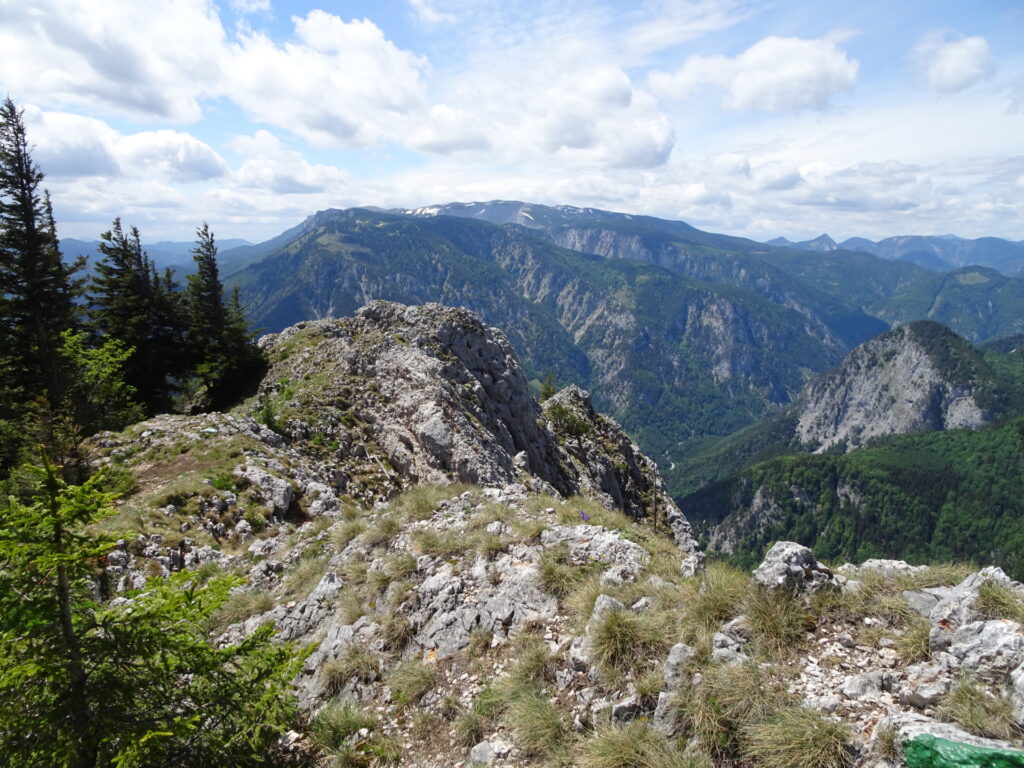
x,y
728,699
336,736
420,501
443,544
357,662
634,745
913,645
301,580
239,607
410,681
777,620
796,737
344,532
996,601
537,725
979,711
624,642
716,595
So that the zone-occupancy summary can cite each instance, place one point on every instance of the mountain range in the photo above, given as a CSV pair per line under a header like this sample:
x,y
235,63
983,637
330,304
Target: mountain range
x,y
685,336
939,252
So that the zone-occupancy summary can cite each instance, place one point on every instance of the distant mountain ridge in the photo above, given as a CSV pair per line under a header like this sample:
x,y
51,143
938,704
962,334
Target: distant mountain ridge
x,y
939,253
684,335
165,254
671,356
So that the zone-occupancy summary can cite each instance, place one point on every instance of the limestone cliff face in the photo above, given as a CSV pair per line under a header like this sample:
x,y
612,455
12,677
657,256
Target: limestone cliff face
x,y
898,382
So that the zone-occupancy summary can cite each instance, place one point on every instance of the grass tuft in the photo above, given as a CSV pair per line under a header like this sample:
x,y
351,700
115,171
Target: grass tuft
x,y
979,711
623,641
913,645
777,619
336,732
996,601
420,501
301,580
536,725
796,737
634,745
410,681
357,662
239,607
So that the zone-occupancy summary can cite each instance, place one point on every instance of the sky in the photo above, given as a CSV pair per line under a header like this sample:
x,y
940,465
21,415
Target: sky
x,y
794,117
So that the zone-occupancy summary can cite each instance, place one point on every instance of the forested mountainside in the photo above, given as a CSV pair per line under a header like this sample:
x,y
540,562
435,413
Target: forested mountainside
x,y
839,281
686,336
670,356
931,431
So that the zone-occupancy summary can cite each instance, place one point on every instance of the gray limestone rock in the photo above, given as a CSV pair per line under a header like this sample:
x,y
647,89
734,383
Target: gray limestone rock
x,y
925,684
989,650
482,754
865,684
958,606
888,385
675,663
792,566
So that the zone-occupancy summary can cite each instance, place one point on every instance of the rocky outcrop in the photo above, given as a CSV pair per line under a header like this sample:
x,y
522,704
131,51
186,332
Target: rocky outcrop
x,y
353,411
906,380
441,395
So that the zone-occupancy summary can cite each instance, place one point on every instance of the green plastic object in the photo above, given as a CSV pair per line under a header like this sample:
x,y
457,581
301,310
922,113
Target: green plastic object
x,y
927,751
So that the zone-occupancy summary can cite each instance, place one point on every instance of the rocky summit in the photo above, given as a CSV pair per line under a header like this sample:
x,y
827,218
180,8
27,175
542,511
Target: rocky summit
x,y
910,379
475,578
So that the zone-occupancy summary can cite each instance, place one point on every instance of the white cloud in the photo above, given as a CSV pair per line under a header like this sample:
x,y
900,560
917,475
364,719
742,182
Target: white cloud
x,y
665,23
339,84
69,145
336,83
245,7
427,12
171,154
146,60
948,62
273,170
447,131
776,175
774,74
542,104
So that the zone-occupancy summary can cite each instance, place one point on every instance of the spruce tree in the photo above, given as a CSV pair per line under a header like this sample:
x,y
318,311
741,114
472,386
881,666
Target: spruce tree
x,y
38,289
224,357
204,298
130,302
86,683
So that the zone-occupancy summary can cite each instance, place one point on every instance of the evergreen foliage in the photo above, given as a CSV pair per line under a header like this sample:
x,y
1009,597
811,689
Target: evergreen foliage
x,y
37,290
130,302
223,357
87,683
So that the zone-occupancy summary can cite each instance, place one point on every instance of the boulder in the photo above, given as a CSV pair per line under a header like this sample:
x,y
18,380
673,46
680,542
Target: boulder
x,y
989,650
924,685
792,567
